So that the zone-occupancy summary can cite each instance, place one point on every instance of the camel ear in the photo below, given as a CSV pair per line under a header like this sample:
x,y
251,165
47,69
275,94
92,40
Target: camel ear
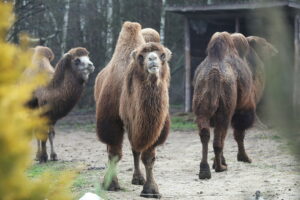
x,y
168,54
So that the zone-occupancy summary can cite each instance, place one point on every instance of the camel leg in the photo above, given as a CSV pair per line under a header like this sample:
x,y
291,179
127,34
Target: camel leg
x,y
204,166
218,144
150,189
53,155
223,161
138,178
38,152
239,136
111,182
43,156
242,120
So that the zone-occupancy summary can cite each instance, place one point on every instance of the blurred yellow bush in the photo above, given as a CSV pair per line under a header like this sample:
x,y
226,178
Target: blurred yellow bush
x,y
18,123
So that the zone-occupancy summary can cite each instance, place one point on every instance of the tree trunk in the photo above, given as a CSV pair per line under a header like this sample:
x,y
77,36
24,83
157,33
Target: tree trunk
x,y
109,34
65,27
162,21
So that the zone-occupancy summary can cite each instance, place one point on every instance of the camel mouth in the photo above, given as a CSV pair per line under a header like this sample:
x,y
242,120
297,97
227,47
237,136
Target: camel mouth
x,y
153,69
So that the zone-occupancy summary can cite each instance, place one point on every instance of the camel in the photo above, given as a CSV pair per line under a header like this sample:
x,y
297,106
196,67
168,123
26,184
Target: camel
x,y
222,94
131,93
63,91
254,45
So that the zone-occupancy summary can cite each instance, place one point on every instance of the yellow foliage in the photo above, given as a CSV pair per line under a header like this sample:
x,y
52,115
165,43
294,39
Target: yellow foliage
x,y
17,123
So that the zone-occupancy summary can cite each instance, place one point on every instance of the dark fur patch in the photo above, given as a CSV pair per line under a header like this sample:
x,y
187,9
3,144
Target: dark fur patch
x,y
110,131
243,119
164,133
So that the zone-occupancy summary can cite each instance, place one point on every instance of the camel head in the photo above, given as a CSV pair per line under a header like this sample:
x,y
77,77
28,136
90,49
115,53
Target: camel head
x,y
81,63
151,58
263,48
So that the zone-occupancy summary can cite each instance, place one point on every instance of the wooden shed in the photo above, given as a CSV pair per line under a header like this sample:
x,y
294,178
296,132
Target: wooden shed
x,y
250,17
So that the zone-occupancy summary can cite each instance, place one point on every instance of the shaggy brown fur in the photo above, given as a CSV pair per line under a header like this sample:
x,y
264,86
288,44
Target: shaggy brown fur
x,y
256,66
129,96
150,35
62,92
222,94
260,50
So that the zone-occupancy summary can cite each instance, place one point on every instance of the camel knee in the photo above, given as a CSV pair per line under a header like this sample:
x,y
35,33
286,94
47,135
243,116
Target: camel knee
x,y
148,158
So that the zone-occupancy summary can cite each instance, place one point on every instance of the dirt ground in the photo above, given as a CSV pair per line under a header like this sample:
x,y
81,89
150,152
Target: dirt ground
x,y
274,172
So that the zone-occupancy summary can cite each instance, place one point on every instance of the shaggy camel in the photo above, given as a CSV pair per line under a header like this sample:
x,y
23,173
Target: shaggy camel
x,y
222,94
61,94
131,92
256,65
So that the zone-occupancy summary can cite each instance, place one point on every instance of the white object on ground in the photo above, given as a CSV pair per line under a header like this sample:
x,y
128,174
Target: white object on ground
x,y
90,196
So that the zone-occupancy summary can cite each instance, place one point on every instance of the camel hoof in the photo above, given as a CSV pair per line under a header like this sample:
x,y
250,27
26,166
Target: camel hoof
x,y
113,186
150,191
223,162
222,168
138,179
204,171
43,158
243,158
53,156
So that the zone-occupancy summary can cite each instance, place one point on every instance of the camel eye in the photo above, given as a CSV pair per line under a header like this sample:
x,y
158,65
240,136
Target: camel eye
x,y
163,56
140,58
77,61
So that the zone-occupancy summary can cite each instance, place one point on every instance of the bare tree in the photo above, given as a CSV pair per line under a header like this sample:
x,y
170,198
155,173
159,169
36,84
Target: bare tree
x,y
65,27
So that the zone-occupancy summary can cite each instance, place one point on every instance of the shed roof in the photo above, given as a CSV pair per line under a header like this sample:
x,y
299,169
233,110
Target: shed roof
x,y
189,6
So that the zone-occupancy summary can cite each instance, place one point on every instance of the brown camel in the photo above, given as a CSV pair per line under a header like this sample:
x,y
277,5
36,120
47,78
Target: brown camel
x,y
222,94
253,44
63,91
131,92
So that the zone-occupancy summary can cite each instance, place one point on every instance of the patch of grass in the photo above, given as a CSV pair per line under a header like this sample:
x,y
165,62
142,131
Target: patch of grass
x,y
182,123
53,167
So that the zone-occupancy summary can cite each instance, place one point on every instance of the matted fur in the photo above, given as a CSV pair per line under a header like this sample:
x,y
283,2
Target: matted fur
x,y
144,102
108,85
260,50
150,35
222,87
61,94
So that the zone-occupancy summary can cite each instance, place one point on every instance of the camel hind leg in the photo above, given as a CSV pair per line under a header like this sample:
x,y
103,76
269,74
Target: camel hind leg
x,y
204,134
242,120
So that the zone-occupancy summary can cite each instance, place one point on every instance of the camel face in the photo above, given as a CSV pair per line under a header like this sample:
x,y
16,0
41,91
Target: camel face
x,y
83,66
152,62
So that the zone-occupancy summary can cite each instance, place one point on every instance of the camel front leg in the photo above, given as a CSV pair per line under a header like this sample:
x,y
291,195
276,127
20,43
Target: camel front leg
x,y
53,155
111,182
39,149
150,189
138,178
43,156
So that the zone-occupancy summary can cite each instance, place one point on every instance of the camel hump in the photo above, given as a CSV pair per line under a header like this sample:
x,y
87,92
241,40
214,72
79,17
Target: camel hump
x,y
214,83
219,45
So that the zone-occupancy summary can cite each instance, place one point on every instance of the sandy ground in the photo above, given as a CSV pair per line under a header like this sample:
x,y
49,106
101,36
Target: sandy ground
x,y
273,171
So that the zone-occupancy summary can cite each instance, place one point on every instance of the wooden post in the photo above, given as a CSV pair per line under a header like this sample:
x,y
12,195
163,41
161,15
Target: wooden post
x,y
187,51
296,88
237,25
